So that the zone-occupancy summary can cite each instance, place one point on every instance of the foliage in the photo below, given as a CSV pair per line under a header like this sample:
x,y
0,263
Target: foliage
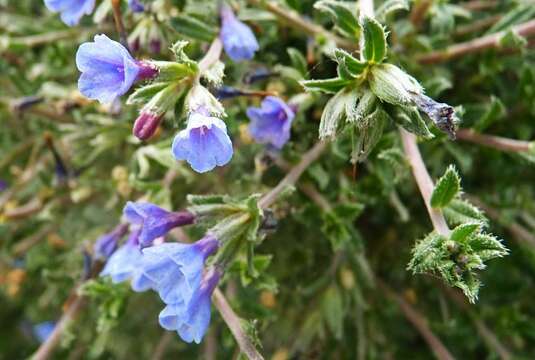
x,y
312,274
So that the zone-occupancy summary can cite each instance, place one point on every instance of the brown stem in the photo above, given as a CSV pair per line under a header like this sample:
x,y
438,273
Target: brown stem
x,y
293,175
477,25
418,12
419,322
294,20
526,29
423,180
119,25
495,142
478,5
234,324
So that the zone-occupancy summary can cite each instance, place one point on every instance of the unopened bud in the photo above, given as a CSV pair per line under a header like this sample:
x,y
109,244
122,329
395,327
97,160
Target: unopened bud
x,y
146,125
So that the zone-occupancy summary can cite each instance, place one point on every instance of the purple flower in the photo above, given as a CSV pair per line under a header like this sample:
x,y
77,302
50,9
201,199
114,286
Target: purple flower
x,y
107,243
175,270
154,220
108,70
204,144
71,10
43,330
271,123
136,6
238,39
146,125
191,321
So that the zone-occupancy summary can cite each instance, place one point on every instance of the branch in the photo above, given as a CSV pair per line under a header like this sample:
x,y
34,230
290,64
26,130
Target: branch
x,y
293,19
477,25
495,142
423,180
476,45
419,322
293,175
234,323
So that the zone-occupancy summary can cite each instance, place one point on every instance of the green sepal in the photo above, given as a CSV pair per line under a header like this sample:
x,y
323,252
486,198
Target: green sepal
x,y
373,40
330,86
447,187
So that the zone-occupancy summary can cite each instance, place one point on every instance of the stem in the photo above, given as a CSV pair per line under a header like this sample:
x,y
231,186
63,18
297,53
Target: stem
x,y
495,142
526,29
159,351
477,25
419,322
423,180
293,175
212,55
479,5
119,25
291,18
234,324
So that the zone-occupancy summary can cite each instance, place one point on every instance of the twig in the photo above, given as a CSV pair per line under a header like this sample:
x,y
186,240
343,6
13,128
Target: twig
x,y
476,45
418,12
479,5
119,25
73,306
419,322
234,324
291,177
294,20
423,180
477,25
495,142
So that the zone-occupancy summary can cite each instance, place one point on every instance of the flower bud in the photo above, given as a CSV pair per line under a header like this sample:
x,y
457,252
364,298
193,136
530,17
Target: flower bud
x,y
146,125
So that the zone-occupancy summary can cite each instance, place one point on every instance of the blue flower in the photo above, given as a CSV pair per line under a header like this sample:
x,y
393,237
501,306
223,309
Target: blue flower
x,y
271,123
175,270
43,330
191,320
154,220
71,10
125,264
204,144
238,39
108,70
136,6
107,243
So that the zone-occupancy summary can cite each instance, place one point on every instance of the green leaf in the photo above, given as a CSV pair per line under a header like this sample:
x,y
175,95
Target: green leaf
x,y
447,187
464,231
327,85
143,94
335,112
333,311
390,6
460,211
517,15
350,64
193,28
495,110
487,246
298,61
373,40
343,17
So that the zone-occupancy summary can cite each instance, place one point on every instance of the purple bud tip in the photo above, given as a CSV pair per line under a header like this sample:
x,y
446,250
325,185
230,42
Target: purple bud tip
x,y
146,125
208,245
147,70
